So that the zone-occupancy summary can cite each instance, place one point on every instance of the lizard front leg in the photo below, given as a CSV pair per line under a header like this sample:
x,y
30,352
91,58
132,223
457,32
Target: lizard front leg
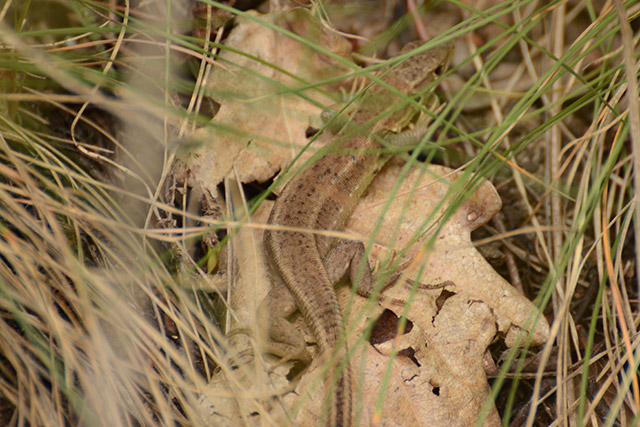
x,y
348,255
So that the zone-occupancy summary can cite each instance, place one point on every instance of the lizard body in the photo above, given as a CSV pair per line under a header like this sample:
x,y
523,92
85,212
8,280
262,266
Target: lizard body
x,y
322,196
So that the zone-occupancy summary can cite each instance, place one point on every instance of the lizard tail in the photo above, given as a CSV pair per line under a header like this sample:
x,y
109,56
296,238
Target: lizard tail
x,y
339,394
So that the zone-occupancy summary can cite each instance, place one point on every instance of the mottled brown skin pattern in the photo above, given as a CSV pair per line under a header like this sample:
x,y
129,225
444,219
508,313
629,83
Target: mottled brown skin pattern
x,y
322,196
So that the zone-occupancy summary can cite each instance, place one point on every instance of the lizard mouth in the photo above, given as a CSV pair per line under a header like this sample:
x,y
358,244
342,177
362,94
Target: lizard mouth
x,y
431,103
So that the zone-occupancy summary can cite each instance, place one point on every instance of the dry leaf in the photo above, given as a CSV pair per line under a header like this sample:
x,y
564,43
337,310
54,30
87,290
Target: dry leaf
x,y
264,114
438,377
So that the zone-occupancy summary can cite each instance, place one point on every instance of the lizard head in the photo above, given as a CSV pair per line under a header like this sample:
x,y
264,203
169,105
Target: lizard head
x,y
416,77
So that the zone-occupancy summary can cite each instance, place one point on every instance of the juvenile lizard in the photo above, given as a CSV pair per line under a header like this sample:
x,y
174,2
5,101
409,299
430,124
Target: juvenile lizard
x,y
322,196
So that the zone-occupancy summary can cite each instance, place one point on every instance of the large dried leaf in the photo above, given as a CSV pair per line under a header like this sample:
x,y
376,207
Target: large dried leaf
x,y
266,106
460,306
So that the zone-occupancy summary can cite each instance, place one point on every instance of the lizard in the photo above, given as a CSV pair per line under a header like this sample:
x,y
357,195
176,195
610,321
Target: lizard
x,y
323,195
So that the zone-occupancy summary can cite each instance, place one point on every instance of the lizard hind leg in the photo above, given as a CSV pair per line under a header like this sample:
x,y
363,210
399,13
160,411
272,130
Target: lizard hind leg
x,y
286,340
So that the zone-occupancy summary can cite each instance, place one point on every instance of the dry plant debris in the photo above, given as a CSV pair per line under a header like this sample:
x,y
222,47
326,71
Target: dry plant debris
x,y
467,307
